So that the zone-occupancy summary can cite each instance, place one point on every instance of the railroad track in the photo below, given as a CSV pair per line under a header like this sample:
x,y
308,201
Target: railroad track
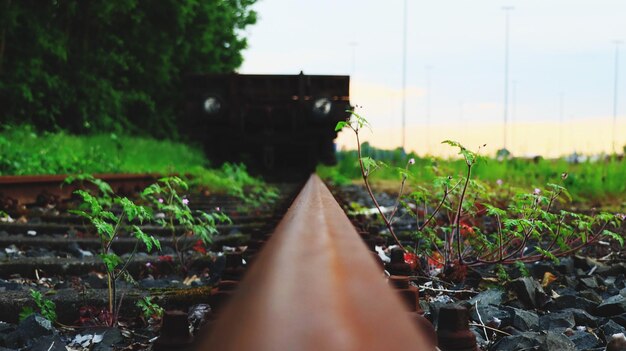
x,y
313,283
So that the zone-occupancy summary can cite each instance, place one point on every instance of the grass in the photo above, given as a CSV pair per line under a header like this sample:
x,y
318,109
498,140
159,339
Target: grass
x,y
589,182
26,152
23,151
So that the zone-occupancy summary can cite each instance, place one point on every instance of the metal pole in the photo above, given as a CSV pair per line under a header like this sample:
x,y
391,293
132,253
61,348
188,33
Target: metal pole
x,y
428,97
561,126
404,77
506,71
615,85
513,111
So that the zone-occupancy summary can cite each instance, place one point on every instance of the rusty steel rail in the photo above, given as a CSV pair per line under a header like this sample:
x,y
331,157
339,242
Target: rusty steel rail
x,y
314,286
19,190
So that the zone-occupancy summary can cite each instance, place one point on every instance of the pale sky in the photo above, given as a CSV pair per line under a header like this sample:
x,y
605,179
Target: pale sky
x,y
561,63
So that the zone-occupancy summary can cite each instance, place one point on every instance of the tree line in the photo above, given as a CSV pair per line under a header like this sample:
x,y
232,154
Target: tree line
x,y
112,65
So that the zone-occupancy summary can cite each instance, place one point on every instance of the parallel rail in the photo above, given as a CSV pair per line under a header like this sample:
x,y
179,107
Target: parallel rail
x,y
21,190
315,286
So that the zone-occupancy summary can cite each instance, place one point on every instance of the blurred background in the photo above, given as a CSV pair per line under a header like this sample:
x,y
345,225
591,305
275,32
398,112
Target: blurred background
x,y
458,69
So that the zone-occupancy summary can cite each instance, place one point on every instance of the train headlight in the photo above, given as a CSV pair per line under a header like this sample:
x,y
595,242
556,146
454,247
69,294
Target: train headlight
x,y
212,105
322,106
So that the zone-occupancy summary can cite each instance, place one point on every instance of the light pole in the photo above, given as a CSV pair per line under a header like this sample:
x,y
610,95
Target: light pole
x,y
404,77
615,86
561,100
513,111
507,10
428,98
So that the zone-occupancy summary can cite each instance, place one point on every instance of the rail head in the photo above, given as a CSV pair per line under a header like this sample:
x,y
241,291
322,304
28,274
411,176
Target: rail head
x,y
314,286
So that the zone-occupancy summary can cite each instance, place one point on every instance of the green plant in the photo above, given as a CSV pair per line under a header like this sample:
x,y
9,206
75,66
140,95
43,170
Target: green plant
x,y
150,309
108,225
528,229
166,196
463,229
46,307
252,191
234,179
589,181
368,165
63,68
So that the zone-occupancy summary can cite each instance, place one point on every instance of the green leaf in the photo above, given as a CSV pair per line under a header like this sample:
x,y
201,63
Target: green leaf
x,y
494,211
110,261
103,228
150,190
340,125
129,208
470,157
547,254
614,236
148,240
368,163
26,311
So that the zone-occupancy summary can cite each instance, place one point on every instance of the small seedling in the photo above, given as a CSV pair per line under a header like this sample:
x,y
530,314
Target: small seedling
x,y
108,225
150,309
530,228
166,196
46,307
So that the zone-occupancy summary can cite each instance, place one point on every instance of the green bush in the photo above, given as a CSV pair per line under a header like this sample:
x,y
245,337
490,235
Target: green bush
x,y
112,65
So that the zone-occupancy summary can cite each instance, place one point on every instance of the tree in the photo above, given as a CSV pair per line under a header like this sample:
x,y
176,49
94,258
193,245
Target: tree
x,y
112,65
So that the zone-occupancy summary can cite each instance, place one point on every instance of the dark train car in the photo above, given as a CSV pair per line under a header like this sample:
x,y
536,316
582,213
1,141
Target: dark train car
x,y
281,126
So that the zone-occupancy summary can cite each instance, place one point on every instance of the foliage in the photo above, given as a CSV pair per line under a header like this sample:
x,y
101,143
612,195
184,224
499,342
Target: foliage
x,y
166,197
46,307
234,179
23,151
112,65
368,165
457,226
150,309
108,224
589,180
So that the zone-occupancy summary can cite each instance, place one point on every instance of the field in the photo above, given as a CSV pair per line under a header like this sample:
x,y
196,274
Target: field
x,y
593,182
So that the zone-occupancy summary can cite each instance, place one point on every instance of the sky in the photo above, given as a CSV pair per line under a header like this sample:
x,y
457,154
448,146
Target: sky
x,y
561,68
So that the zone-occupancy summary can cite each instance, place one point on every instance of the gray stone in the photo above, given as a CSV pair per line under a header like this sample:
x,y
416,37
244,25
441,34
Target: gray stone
x,y
488,297
12,340
571,301
9,286
110,337
489,312
610,328
48,343
565,266
549,341
521,341
612,306
561,319
614,269
591,295
582,317
35,326
558,342
589,282
621,319
529,292
584,340
523,320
